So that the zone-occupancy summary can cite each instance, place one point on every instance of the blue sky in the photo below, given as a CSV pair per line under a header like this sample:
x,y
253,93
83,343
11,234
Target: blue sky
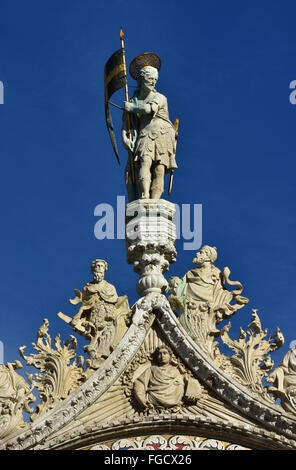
x,y
226,70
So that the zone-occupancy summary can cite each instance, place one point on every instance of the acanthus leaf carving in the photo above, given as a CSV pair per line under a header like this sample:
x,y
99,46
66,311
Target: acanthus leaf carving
x,y
251,361
57,376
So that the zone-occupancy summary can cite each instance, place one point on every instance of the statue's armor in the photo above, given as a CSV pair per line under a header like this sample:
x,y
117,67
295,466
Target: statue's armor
x,y
156,134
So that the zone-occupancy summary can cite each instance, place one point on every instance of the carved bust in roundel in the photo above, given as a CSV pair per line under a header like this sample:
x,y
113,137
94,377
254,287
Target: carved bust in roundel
x,y
162,385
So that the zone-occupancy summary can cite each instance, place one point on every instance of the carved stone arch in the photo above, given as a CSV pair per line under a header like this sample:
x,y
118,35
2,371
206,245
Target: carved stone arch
x,y
247,414
169,425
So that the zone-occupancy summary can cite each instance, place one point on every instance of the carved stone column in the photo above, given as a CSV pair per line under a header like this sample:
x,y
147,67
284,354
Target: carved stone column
x,y
150,242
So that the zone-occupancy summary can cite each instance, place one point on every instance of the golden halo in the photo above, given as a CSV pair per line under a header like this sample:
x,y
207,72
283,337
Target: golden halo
x,y
148,58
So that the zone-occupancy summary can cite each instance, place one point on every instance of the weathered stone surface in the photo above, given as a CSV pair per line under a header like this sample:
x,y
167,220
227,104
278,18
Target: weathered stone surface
x,y
249,418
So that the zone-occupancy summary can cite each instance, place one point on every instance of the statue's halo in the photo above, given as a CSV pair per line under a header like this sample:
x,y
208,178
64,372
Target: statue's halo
x,y
142,60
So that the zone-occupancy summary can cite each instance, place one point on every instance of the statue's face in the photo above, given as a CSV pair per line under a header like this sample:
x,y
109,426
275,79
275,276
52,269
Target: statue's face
x,y
149,77
99,271
201,256
173,282
163,357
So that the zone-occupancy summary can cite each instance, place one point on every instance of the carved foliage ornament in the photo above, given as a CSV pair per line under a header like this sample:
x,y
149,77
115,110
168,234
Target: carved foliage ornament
x,y
251,361
58,376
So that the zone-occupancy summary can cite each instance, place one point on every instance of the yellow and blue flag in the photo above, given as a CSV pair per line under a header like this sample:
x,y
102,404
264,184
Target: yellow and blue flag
x,y
114,79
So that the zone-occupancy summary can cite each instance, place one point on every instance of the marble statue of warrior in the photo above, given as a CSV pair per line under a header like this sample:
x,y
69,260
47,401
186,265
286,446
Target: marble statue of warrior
x,y
154,141
162,384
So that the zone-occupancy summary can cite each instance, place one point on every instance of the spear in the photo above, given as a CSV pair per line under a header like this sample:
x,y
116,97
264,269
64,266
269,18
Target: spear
x,y
129,134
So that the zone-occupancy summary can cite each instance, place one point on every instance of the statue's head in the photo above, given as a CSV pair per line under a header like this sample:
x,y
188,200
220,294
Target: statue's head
x,y
99,267
173,283
148,61
162,356
206,253
147,77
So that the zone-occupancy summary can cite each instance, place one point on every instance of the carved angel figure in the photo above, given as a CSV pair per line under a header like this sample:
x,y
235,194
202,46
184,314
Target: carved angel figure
x,y
162,385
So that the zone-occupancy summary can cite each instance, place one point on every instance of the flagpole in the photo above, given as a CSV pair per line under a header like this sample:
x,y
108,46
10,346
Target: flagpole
x,y
129,134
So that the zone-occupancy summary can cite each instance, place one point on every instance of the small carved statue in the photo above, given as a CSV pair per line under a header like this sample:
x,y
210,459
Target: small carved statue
x,y
15,397
153,145
103,316
162,385
202,298
283,380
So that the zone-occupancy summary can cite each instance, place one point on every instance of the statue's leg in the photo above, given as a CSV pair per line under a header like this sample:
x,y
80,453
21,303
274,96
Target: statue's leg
x,y
144,178
157,186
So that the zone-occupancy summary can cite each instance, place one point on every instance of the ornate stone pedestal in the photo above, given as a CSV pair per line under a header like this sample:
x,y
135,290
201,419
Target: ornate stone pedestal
x,y
150,242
